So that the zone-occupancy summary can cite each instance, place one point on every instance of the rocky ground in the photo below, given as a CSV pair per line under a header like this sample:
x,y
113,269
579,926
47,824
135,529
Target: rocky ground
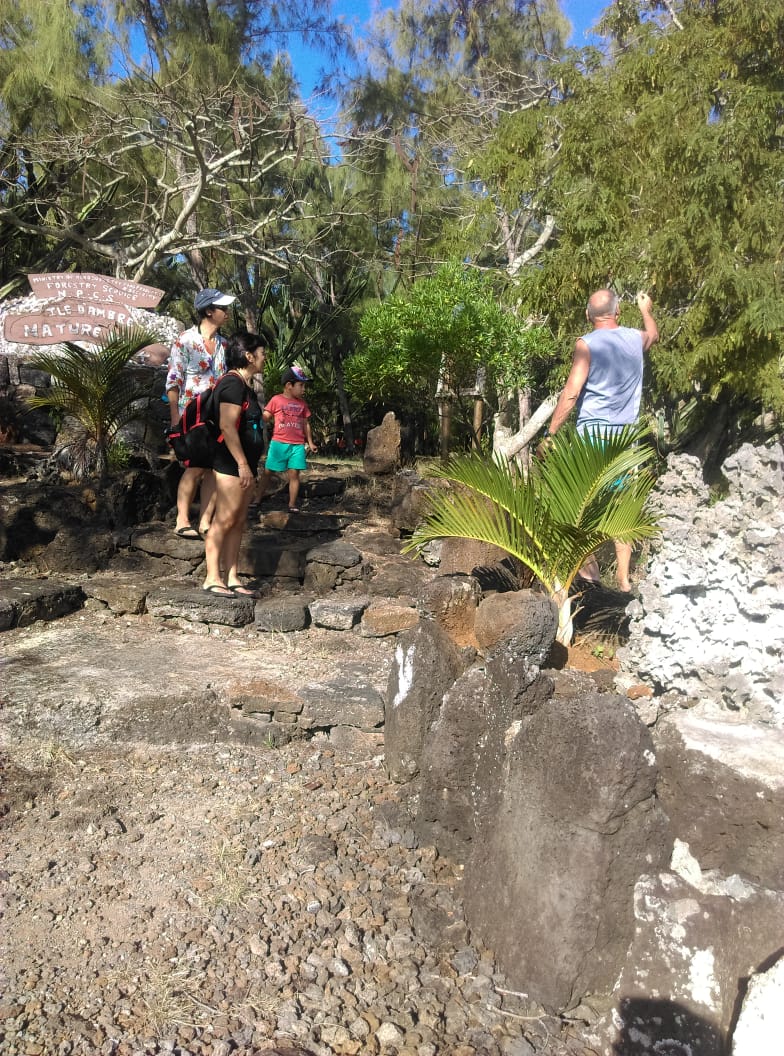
x,y
216,899
227,900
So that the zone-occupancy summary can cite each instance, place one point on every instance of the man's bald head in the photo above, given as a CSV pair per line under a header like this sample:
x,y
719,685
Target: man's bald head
x,y
602,304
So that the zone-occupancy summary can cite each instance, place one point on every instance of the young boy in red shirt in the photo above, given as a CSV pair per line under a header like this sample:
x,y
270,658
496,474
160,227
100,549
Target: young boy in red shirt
x,y
291,434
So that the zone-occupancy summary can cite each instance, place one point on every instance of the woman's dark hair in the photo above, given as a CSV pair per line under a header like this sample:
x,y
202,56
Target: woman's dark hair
x,y
238,346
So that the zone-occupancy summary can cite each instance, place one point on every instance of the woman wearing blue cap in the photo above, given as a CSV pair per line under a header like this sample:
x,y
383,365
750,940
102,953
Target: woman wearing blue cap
x,y
196,361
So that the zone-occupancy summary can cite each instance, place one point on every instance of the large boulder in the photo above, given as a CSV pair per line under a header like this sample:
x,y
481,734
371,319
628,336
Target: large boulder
x,y
141,495
550,881
172,600
74,550
425,665
32,514
120,594
527,621
445,817
384,617
760,1026
410,499
27,600
695,943
464,753
452,602
382,447
345,701
466,555
339,613
722,785
282,615
710,622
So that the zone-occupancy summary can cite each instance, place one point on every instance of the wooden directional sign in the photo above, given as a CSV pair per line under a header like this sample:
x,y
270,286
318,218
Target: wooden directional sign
x,y
77,306
83,285
64,321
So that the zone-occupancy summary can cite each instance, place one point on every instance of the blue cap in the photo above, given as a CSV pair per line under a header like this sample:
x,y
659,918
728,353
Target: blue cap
x,y
208,297
292,375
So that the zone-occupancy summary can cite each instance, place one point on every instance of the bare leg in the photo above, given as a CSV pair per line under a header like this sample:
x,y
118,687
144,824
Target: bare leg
x,y
186,492
623,557
293,475
230,512
207,497
231,544
590,570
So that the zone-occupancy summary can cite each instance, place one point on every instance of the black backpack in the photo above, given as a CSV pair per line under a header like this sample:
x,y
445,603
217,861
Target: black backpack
x,y
194,438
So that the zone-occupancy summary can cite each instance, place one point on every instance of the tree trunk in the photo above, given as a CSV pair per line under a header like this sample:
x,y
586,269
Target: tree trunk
x,y
565,631
503,422
710,444
524,405
479,415
343,405
444,427
101,459
507,446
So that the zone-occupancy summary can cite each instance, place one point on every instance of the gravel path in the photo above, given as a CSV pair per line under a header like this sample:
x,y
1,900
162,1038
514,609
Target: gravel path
x,y
234,900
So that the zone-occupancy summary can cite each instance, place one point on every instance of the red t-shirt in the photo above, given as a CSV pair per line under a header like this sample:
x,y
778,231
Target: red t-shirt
x,y
290,414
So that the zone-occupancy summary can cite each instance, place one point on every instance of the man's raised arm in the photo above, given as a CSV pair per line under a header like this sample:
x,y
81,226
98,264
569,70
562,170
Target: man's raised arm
x,y
650,329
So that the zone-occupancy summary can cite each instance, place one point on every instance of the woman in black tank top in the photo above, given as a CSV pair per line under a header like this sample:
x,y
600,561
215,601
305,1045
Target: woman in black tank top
x,y
235,464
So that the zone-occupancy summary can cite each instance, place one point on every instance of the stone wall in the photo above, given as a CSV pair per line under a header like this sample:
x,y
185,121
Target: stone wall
x,y
710,621
622,860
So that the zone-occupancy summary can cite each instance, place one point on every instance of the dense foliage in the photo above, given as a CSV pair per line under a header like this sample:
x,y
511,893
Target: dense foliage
x,y
665,174
169,143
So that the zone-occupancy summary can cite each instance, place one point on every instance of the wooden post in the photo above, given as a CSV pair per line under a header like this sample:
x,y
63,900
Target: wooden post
x,y
444,426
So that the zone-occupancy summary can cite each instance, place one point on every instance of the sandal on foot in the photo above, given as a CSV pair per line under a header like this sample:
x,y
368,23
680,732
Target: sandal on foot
x,y
188,532
219,589
244,592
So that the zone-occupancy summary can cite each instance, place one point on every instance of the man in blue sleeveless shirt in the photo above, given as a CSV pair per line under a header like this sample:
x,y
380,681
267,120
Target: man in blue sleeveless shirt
x,y
605,385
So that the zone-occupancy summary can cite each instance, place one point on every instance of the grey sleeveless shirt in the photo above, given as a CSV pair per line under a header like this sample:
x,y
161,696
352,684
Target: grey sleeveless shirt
x,y
614,384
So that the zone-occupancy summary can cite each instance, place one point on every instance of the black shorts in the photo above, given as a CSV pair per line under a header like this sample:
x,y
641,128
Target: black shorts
x,y
224,461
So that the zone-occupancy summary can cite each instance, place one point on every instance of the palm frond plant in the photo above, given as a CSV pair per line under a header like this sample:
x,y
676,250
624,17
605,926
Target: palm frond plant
x,y
584,492
96,389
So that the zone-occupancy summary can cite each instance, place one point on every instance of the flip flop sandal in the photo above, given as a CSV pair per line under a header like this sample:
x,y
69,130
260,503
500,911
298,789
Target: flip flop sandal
x,y
188,532
221,591
244,592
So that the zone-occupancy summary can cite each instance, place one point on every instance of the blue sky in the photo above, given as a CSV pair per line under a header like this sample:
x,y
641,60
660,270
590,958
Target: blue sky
x,y
581,13
356,13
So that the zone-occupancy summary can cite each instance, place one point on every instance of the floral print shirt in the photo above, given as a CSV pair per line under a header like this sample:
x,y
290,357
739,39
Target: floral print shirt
x,y
191,367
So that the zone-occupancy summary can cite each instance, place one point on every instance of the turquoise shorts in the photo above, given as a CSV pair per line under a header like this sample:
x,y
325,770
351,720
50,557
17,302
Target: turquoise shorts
x,y
281,457
599,430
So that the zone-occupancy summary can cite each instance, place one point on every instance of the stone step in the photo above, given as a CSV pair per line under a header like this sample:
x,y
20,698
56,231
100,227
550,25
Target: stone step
x,y
24,601
90,681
